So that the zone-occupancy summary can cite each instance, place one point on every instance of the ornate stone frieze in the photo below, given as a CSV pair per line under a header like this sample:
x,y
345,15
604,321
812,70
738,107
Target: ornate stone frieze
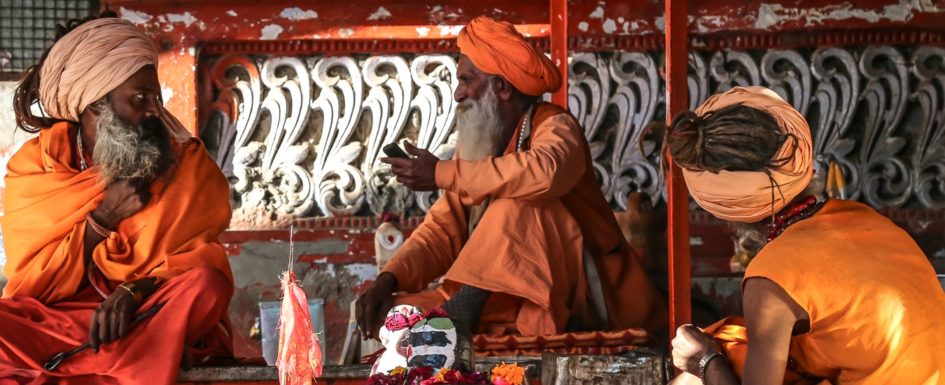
x,y
301,136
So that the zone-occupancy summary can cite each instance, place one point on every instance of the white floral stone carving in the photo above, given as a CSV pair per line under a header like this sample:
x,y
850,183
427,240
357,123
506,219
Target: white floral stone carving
x,y
301,136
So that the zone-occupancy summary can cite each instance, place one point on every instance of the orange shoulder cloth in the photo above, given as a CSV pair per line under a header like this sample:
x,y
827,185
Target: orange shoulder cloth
x,y
46,201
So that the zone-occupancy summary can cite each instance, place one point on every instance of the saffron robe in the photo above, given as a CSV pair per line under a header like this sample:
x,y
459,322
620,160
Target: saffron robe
x,y
51,295
545,208
874,301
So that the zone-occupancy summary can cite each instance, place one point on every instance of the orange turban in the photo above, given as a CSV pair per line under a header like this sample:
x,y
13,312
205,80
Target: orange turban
x,y
745,196
496,48
89,62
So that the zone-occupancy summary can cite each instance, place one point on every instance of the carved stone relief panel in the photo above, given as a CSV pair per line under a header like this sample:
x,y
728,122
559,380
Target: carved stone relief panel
x,y
301,136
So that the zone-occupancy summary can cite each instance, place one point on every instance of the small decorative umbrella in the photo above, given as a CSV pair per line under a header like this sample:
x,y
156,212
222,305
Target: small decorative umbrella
x,y
300,356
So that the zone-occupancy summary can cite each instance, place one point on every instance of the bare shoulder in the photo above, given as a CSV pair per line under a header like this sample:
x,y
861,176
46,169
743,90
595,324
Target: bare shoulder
x,y
766,302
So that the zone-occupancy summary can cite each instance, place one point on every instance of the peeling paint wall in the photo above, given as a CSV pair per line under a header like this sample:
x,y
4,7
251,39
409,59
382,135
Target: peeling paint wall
x,y
181,26
334,265
7,119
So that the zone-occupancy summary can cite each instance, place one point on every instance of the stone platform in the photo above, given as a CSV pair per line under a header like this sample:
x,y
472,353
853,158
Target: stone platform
x,y
636,368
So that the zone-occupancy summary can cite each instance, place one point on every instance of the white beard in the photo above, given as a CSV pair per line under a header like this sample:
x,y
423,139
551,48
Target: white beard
x,y
478,128
120,150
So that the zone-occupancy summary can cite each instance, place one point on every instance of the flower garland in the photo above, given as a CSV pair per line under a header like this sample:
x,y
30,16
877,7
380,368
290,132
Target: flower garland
x,y
401,320
508,374
504,374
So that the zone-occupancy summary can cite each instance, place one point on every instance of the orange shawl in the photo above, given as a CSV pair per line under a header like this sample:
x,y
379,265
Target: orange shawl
x,y
47,199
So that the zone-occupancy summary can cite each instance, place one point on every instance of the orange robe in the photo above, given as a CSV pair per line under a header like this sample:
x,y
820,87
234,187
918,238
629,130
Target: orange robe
x,y
50,294
875,304
545,208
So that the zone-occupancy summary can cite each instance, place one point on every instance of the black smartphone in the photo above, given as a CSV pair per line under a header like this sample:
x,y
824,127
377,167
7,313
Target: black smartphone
x,y
394,151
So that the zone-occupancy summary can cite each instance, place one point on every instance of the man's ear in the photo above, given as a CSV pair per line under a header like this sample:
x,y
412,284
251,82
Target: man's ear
x,y
503,89
91,110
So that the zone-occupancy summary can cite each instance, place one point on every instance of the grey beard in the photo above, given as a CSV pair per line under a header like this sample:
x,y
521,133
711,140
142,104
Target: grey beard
x,y
121,153
749,237
478,127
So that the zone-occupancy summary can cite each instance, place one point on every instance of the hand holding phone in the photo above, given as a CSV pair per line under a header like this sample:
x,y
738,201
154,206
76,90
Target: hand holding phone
x,y
413,167
393,150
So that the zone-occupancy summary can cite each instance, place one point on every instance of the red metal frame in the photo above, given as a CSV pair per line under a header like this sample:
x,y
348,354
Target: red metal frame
x,y
653,42
677,54
559,48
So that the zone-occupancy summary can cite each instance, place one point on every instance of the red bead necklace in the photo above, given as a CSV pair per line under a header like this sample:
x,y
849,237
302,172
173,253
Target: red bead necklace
x,y
793,214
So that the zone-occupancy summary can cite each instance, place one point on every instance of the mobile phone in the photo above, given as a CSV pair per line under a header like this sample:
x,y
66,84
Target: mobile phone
x,y
394,151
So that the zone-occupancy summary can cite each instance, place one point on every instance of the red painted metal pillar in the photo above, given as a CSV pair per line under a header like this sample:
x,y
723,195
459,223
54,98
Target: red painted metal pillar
x,y
559,48
677,58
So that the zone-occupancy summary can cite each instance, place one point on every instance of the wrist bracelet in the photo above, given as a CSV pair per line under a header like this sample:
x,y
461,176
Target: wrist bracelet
x,y
704,364
136,295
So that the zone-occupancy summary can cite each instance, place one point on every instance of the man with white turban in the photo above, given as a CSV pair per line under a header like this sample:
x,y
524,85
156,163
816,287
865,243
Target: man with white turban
x,y
522,215
111,212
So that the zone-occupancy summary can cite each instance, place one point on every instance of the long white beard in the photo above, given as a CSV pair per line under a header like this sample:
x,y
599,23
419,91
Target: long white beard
x,y
478,128
121,152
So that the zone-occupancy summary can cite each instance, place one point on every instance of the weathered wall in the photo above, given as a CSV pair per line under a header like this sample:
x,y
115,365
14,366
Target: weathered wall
x,y
333,261
7,121
183,27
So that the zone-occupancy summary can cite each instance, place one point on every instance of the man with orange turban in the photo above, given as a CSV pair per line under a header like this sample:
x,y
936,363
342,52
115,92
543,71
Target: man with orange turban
x,y
521,218
837,293
112,212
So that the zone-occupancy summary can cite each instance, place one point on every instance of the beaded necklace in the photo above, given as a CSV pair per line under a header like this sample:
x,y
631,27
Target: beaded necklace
x,y
80,151
526,129
793,214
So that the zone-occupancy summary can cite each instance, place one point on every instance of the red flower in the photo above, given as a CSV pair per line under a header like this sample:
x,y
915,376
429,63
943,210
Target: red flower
x,y
437,313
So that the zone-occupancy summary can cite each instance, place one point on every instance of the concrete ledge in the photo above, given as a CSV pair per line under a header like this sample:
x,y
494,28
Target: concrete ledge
x,y
632,369
249,374
264,373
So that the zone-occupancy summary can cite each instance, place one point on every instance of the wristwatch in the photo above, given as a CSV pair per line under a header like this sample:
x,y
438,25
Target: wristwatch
x,y
704,364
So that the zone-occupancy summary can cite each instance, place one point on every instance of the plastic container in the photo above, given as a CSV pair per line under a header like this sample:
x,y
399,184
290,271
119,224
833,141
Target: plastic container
x,y
269,324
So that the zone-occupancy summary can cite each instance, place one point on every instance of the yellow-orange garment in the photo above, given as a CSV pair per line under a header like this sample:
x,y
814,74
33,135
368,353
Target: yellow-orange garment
x,y
750,196
46,202
545,203
496,48
874,301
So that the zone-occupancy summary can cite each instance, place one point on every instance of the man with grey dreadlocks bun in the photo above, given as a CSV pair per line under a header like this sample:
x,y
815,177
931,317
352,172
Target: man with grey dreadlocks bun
x,y
837,293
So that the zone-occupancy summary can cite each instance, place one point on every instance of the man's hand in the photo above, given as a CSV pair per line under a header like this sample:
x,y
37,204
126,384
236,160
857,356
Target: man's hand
x,y
112,320
122,200
374,304
417,173
689,346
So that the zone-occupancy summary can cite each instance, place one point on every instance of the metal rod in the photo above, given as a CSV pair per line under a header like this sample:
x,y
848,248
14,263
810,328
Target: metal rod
x,y
677,65
559,48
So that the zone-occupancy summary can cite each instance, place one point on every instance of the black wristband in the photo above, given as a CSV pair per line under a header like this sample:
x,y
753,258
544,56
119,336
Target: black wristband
x,y
704,364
